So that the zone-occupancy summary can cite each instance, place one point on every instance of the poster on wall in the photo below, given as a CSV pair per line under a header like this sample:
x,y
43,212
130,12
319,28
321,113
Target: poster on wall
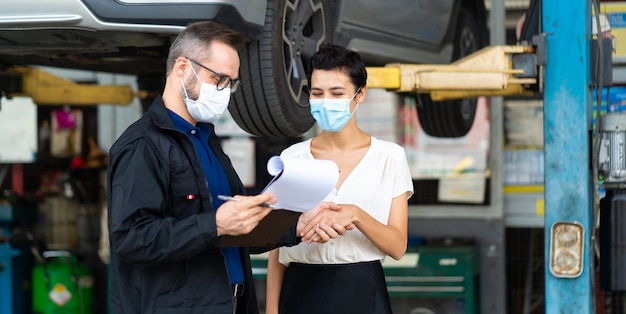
x,y
18,126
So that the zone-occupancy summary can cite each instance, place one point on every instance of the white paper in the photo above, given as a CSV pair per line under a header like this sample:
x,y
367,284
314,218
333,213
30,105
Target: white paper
x,y
300,184
18,126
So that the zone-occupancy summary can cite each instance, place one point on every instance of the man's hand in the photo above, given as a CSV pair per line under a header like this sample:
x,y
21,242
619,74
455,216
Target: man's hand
x,y
242,216
316,225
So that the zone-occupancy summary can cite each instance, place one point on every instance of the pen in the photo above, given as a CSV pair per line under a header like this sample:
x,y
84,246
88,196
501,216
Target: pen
x,y
230,198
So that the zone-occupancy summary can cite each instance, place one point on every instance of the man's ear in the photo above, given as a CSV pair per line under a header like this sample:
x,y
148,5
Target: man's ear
x,y
180,66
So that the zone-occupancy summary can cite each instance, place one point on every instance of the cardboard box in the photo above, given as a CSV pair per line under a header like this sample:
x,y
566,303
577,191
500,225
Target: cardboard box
x,y
616,101
616,14
523,167
523,123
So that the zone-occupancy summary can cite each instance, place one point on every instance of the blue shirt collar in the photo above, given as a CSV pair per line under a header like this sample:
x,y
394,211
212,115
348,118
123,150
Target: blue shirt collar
x,y
188,128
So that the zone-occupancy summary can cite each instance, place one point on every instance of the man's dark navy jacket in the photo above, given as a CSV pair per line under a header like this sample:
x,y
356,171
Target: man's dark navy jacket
x,y
162,227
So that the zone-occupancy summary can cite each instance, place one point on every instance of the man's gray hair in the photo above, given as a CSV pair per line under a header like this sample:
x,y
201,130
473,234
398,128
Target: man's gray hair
x,y
195,41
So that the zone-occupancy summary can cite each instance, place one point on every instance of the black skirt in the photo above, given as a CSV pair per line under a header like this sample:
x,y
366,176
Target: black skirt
x,y
357,288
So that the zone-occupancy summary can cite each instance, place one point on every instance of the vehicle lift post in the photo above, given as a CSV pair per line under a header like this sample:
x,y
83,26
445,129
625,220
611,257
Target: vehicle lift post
x,y
567,116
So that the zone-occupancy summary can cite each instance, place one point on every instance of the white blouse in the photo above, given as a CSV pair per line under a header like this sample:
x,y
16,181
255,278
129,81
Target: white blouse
x,y
381,175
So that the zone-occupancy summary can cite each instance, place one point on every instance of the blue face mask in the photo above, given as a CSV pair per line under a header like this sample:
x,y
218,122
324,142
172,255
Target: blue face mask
x,y
332,114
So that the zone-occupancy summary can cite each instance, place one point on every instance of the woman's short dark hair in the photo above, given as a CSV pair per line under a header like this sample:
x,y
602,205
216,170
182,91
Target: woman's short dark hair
x,y
331,57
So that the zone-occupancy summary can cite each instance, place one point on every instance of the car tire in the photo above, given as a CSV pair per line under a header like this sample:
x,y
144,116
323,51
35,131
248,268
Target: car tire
x,y
274,100
452,118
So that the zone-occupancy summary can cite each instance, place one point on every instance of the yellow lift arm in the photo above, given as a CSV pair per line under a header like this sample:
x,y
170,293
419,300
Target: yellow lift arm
x,y
47,89
487,72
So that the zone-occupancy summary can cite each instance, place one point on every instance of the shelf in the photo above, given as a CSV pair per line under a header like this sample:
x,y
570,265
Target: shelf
x,y
524,206
619,74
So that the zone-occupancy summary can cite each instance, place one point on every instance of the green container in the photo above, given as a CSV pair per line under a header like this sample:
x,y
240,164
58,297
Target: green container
x,y
62,285
446,273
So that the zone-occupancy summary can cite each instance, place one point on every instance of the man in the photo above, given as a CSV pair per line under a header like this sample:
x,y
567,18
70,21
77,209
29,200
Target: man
x,y
165,173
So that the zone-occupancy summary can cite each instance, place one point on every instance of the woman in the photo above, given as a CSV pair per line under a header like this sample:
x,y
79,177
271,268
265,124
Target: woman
x,y
344,275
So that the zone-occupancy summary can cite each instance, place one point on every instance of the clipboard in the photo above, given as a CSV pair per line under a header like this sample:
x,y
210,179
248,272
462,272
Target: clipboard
x,y
267,233
298,184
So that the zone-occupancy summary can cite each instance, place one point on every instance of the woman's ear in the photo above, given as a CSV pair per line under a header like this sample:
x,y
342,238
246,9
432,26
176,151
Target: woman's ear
x,y
361,94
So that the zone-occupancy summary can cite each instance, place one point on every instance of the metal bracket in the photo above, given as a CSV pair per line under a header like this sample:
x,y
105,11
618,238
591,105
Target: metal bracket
x,y
491,71
541,51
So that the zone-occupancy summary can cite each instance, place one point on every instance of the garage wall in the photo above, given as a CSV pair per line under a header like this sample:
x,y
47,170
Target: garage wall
x,y
112,119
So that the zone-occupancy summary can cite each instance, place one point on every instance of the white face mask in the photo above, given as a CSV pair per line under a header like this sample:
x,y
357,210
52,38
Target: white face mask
x,y
211,103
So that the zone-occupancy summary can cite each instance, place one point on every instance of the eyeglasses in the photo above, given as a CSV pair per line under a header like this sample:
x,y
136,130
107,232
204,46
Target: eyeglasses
x,y
223,81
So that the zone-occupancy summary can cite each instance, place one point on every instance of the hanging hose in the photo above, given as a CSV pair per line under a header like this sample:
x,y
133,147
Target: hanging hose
x,y
597,137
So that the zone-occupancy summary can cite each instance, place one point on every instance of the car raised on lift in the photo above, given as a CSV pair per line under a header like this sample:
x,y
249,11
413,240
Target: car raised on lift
x,y
133,37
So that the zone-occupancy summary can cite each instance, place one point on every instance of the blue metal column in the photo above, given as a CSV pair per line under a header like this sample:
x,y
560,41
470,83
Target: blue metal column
x,y
567,103
6,255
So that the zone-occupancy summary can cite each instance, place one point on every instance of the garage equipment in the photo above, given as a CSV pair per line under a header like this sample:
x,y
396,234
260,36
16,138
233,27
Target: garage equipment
x,y
491,71
62,284
47,89
6,255
612,164
613,150
435,278
568,183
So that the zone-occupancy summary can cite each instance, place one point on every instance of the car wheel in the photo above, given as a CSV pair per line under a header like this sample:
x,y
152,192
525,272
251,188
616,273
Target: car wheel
x,y
452,118
274,100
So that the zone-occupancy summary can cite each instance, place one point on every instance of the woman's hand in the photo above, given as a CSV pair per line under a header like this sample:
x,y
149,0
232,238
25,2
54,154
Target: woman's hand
x,y
324,222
